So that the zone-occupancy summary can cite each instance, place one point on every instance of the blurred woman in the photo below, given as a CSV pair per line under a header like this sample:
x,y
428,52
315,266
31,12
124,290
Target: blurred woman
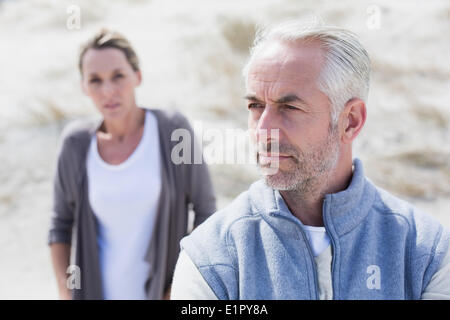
x,y
120,203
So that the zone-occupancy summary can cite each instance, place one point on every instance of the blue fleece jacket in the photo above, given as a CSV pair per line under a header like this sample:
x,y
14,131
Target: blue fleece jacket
x,y
383,247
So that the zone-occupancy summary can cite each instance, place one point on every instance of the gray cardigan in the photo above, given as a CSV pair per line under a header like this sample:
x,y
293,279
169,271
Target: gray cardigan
x,y
73,221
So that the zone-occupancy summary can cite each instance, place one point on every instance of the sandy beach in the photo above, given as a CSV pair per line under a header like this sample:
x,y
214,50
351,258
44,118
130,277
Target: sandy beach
x,y
192,53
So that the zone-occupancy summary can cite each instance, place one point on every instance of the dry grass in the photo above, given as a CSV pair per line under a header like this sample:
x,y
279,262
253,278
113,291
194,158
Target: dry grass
x,y
432,114
421,174
429,159
47,111
239,34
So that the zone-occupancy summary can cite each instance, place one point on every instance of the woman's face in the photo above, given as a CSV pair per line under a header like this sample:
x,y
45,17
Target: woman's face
x,y
109,80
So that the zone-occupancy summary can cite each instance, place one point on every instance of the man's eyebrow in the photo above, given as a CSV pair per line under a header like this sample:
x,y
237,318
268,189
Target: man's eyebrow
x,y
286,99
251,97
290,98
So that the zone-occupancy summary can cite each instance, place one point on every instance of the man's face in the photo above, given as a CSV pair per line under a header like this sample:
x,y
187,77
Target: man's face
x,y
282,94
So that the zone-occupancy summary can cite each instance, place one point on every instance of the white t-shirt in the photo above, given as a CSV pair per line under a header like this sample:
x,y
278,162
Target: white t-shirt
x,y
124,198
318,239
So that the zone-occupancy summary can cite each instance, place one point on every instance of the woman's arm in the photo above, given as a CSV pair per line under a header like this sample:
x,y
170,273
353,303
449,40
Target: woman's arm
x,y
200,188
61,222
60,254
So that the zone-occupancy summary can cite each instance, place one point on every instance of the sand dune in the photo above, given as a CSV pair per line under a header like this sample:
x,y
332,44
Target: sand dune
x,y
192,53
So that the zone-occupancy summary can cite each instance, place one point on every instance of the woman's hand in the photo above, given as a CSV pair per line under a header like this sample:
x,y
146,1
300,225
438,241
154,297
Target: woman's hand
x,y
65,294
167,294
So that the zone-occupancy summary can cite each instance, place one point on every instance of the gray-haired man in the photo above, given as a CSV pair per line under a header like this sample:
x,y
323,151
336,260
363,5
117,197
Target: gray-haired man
x,y
316,228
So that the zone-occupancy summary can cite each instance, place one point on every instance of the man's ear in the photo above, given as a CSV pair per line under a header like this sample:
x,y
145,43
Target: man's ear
x,y
353,118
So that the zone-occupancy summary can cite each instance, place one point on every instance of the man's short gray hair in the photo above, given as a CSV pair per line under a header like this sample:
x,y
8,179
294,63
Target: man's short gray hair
x,y
346,71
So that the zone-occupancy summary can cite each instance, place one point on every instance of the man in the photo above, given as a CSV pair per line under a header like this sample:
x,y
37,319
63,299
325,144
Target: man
x,y
316,228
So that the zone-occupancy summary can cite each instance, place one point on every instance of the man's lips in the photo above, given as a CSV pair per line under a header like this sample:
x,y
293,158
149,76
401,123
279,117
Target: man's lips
x,y
265,158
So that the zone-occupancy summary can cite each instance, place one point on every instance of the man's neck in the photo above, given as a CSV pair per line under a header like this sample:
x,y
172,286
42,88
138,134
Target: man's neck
x,y
306,203
305,207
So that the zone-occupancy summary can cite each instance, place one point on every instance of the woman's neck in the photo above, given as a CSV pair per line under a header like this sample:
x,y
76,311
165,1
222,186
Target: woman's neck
x,y
119,129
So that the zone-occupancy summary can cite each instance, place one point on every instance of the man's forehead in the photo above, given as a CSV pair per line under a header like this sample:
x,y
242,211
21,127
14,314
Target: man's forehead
x,y
310,50
279,61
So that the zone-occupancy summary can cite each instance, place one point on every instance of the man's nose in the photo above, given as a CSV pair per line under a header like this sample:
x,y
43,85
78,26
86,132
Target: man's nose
x,y
268,127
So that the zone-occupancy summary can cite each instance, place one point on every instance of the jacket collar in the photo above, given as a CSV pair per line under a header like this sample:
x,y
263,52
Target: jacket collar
x,y
342,211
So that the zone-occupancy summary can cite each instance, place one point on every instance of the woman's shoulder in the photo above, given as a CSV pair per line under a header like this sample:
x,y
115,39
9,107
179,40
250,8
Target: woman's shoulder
x,y
79,132
79,127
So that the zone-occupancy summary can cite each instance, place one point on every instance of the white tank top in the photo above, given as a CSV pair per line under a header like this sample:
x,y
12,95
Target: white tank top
x,y
124,198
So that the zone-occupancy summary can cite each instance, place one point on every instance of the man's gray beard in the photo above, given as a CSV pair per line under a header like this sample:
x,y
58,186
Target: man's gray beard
x,y
309,166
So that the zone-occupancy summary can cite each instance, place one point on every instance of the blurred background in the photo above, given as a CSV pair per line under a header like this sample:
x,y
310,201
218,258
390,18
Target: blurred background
x,y
192,53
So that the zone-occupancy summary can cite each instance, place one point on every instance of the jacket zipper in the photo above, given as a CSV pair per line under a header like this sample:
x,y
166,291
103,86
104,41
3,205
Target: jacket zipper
x,y
313,262
333,243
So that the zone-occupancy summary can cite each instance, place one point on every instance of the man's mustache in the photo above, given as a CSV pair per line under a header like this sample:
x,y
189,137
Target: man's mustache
x,y
276,147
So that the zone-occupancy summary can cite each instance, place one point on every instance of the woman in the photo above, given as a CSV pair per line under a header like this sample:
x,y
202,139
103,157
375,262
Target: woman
x,y
117,193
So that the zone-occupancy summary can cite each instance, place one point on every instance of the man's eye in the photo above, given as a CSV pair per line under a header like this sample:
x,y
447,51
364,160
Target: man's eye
x,y
255,105
94,80
289,107
118,76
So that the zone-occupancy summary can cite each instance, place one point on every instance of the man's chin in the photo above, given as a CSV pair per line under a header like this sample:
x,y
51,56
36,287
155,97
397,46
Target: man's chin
x,y
277,179
279,184
268,170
